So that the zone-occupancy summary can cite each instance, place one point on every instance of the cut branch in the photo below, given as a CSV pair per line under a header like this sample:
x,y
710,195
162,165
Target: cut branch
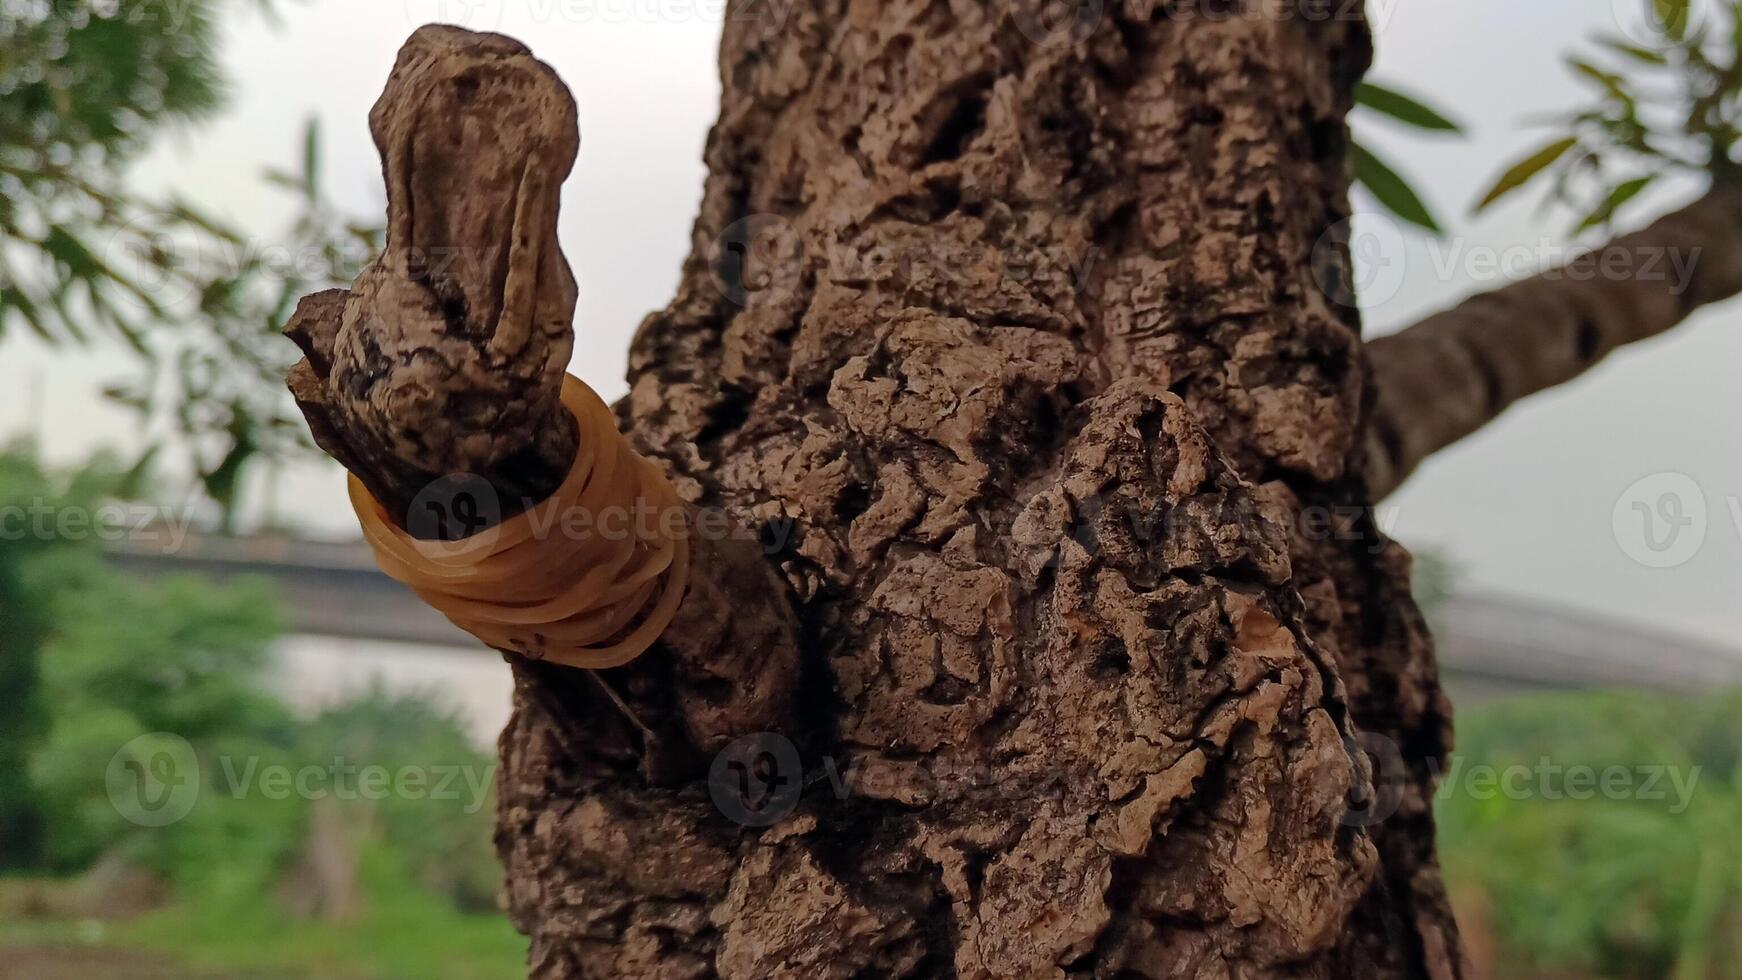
x,y
448,354
1456,371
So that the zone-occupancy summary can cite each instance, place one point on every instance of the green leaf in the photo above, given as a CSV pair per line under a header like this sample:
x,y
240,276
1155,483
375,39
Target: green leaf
x,y
311,159
1672,17
1612,83
182,211
1403,108
1634,51
279,178
1522,171
64,246
15,300
1391,190
1605,212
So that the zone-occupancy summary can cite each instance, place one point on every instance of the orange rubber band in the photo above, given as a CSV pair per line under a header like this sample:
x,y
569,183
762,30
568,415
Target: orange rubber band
x,y
529,585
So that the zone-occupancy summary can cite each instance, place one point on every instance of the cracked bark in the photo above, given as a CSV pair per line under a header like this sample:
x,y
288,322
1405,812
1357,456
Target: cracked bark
x,y
1011,341
1456,371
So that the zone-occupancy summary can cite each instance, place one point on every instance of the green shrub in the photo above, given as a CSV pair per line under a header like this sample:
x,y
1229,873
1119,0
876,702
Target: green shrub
x,y
1644,880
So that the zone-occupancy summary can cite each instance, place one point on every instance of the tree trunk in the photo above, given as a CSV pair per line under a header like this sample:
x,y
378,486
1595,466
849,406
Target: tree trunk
x,y
1015,338
1010,332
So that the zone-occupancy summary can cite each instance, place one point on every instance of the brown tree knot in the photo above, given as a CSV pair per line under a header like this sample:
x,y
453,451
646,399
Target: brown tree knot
x,y
448,353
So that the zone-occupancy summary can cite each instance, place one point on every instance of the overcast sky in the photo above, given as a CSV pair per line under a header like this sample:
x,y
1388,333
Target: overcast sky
x,y
1539,504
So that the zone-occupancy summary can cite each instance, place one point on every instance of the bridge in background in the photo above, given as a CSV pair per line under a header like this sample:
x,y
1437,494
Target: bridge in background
x,y
1489,646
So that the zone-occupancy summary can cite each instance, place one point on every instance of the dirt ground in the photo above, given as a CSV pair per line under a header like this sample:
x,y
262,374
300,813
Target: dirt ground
x,y
77,963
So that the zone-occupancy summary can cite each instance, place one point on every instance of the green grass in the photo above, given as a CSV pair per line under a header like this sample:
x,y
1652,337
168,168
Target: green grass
x,y
1639,881
403,932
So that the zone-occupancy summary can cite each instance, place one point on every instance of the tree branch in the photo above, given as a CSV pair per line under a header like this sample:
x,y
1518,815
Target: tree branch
x,y
1454,372
447,356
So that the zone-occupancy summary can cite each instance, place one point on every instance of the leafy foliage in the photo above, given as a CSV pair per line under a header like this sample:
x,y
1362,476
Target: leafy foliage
x,y
87,86
109,658
1617,884
1406,109
1393,191
453,856
1672,105
23,630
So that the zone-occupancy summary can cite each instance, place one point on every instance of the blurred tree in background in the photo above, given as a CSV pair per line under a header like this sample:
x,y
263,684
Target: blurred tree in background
x,y
96,658
1568,877
91,659
88,87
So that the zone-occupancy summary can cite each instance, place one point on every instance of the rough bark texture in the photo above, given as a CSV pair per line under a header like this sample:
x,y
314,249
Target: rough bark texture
x,y
447,358
1454,372
1006,335
448,353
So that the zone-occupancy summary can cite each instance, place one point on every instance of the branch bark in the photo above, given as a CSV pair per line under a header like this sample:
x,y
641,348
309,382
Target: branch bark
x,y
447,358
1453,373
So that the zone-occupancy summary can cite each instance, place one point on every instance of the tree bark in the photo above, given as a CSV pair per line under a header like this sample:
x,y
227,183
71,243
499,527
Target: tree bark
x,y
1006,333
1453,373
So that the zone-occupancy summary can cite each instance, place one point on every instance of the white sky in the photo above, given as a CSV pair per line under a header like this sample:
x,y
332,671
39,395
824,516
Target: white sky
x,y
1524,507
